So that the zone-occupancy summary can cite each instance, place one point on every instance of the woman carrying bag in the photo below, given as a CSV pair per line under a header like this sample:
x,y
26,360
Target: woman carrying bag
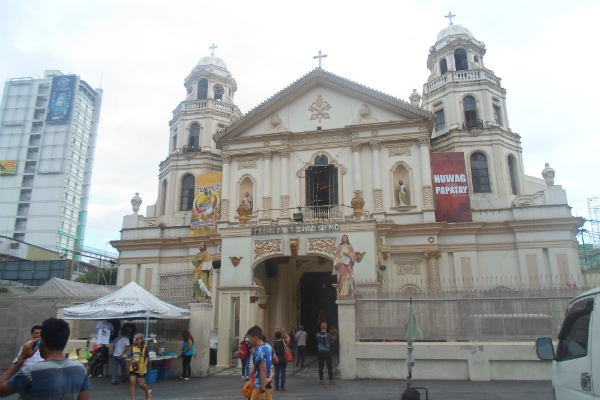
x,y
138,366
279,347
187,351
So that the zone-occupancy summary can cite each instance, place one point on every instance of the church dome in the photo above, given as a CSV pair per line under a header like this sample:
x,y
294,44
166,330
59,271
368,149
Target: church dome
x,y
454,30
211,60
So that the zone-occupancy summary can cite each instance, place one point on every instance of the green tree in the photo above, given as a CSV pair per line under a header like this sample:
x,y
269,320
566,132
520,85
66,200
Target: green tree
x,y
99,276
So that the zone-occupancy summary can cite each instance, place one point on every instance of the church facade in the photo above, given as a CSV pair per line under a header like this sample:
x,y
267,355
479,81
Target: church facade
x,y
430,194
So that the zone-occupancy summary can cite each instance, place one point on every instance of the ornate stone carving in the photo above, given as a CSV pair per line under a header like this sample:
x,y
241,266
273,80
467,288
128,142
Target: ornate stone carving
x,y
276,125
224,209
357,205
319,140
322,245
548,174
285,153
527,199
151,222
247,163
243,210
356,147
136,202
427,197
433,269
364,115
285,205
423,141
375,145
402,150
267,154
359,256
226,158
318,109
265,247
378,199
408,267
235,260
294,245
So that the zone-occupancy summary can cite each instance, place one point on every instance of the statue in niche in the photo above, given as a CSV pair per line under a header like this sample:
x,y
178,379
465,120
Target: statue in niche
x,y
202,273
344,267
248,200
548,174
402,194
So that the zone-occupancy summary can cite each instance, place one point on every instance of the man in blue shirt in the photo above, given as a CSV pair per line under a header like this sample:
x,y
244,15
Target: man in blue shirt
x,y
262,359
56,377
324,355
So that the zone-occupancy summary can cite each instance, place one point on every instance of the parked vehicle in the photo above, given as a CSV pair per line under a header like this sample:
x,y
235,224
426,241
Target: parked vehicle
x,y
576,362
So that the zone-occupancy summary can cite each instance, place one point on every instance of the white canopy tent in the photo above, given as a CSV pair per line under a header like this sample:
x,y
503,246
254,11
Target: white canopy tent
x,y
129,302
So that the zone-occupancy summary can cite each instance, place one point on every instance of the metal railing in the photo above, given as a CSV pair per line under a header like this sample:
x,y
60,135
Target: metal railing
x,y
473,124
335,212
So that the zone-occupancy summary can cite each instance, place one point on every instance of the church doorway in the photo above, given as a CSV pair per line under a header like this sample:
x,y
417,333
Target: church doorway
x,y
317,299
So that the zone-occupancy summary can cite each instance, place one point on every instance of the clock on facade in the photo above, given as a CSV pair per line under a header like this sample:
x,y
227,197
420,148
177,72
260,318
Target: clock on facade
x,y
219,89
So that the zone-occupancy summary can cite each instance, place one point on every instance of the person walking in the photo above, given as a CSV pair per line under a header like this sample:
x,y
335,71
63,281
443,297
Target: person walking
x,y
120,347
281,340
301,345
324,354
262,359
187,351
292,343
244,356
138,366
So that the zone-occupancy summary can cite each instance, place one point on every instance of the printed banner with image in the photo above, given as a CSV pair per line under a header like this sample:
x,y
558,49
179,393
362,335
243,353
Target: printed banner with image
x,y
8,167
61,98
450,188
207,204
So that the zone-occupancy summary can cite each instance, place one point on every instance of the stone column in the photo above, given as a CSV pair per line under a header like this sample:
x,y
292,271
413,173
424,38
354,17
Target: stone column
x,y
225,188
200,322
377,190
433,270
282,303
267,184
347,338
226,326
356,173
262,317
425,173
215,297
285,198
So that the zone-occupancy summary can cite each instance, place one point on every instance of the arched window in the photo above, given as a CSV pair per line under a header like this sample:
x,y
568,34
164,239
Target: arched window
x,y
194,135
460,59
321,159
202,89
479,173
512,174
470,106
187,193
443,66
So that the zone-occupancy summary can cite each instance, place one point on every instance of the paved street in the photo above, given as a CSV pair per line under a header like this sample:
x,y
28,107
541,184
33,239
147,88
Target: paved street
x,y
303,384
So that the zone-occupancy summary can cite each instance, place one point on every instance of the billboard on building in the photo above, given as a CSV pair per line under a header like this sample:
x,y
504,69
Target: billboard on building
x,y
61,98
207,204
451,188
8,167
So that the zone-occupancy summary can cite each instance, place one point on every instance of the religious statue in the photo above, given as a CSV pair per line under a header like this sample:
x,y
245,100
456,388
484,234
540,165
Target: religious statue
x,y
402,194
202,273
548,175
248,199
344,267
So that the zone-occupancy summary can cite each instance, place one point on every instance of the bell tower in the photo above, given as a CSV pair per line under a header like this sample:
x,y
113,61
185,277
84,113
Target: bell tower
x,y
208,107
469,104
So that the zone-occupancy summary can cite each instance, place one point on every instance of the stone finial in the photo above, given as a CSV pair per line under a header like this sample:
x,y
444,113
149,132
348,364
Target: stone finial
x,y
136,202
548,174
357,205
415,99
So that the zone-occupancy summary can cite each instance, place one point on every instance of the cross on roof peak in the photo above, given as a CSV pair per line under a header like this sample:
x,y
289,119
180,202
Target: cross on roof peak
x,y
450,16
320,56
212,48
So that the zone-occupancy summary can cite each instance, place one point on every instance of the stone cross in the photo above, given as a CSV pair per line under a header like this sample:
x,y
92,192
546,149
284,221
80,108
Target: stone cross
x,y
320,56
450,16
213,47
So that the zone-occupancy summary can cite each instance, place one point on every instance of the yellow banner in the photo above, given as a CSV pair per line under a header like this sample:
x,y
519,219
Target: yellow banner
x,y
207,204
8,167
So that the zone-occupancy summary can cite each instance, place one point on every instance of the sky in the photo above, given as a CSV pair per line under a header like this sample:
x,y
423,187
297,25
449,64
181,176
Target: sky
x,y
140,51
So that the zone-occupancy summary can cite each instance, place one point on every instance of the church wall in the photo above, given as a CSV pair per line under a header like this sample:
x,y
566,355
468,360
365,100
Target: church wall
x,y
242,274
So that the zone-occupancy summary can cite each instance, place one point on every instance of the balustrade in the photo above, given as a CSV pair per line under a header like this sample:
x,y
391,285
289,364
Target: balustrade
x,y
335,212
461,76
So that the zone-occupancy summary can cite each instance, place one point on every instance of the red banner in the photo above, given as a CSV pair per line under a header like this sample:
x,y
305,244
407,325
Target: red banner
x,y
450,187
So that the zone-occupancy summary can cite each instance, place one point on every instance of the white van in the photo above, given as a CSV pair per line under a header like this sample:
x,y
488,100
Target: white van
x,y
576,363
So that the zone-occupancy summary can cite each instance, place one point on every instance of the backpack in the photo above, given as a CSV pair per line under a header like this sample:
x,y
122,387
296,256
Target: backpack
x,y
243,353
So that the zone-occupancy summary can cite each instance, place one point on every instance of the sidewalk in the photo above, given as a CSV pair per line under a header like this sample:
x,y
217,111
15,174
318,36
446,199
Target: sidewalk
x,y
303,384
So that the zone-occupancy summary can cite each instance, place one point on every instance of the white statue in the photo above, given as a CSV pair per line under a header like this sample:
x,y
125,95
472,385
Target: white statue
x,y
402,194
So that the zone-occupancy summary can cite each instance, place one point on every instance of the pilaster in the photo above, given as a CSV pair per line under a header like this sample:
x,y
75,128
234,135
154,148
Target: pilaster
x,y
347,328
433,270
200,323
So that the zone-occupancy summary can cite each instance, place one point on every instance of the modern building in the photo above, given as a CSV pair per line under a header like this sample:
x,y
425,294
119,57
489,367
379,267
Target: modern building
x,y
48,130
431,194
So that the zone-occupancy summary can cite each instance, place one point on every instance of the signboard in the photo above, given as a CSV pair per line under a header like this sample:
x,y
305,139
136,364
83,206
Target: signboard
x,y
206,209
309,228
450,187
61,98
8,167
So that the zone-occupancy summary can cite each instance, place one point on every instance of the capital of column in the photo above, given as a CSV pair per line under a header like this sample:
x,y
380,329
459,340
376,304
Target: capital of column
x,y
423,141
267,154
285,153
375,145
433,255
356,147
226,158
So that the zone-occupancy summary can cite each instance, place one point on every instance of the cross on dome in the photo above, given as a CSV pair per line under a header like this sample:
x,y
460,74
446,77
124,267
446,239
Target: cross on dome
x,y
320,56
450,16
212,48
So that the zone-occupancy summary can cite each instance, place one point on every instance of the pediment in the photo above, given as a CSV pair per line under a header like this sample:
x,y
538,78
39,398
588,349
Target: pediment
x,y
321,100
